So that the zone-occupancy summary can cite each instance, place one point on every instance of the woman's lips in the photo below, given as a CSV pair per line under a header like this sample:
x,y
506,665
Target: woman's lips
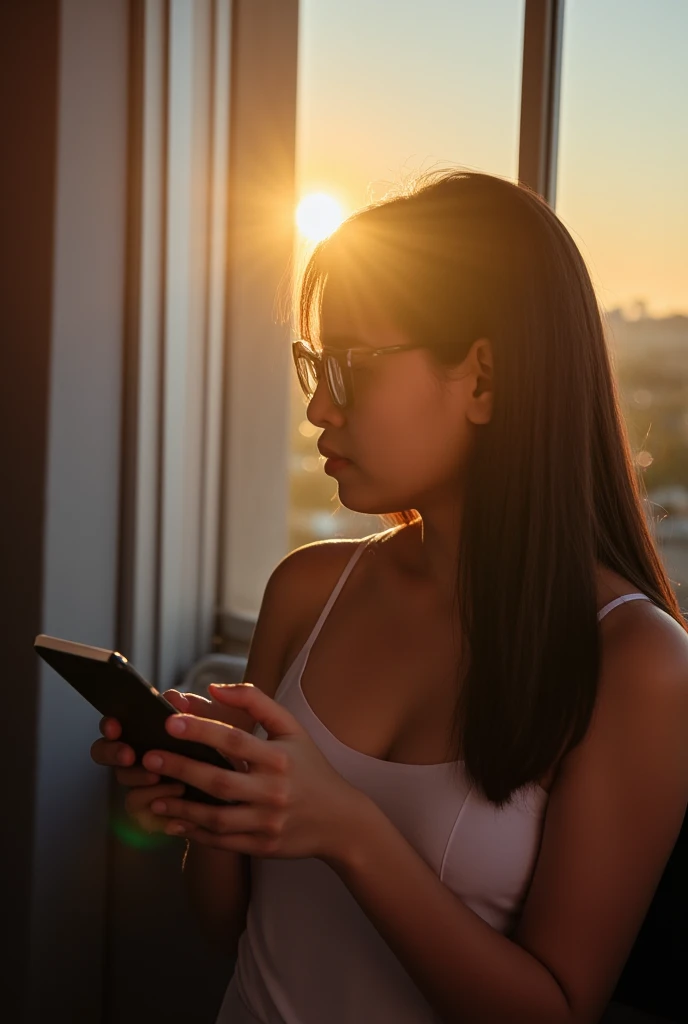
x,y
333,465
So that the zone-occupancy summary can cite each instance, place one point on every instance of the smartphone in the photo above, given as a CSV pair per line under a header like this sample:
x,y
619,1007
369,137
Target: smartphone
x,y
113,686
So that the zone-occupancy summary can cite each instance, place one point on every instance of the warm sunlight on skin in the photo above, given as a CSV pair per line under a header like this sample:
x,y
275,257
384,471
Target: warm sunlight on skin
x,y
317,216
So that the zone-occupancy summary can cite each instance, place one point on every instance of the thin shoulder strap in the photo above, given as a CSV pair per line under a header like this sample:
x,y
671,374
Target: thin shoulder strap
x,y
620,600
335,593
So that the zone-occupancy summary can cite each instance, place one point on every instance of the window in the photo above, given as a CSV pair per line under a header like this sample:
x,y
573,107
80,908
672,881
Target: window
x,y
621,191
379,97
384,93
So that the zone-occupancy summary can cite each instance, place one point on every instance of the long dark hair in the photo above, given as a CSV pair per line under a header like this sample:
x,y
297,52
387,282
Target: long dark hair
x,y
551,488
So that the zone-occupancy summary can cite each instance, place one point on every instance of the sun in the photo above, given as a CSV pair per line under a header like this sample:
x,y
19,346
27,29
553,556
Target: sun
x,y
318,215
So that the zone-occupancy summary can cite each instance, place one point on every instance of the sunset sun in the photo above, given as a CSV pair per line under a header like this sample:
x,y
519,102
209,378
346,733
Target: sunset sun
x,y
318,215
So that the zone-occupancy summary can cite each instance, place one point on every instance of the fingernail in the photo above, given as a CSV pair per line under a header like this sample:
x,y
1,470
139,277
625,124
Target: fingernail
x,y
153,761
176,830
228,686
122,757
177,725
158,807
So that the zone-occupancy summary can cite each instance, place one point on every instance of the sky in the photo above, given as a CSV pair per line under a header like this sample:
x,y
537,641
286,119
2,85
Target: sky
x,y
386,90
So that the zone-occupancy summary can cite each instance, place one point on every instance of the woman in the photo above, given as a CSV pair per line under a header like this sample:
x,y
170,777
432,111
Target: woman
x,y
468,772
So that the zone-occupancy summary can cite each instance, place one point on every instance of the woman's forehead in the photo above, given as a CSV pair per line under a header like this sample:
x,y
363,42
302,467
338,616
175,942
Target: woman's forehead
x,y
347,312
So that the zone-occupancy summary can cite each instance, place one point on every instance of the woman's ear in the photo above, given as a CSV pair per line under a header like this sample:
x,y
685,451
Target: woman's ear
x,y
480,405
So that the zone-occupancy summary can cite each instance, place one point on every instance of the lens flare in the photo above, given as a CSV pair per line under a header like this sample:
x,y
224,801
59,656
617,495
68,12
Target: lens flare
x,y
131,835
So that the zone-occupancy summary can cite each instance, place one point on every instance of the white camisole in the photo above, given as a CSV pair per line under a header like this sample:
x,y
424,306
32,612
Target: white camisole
x,y
309,954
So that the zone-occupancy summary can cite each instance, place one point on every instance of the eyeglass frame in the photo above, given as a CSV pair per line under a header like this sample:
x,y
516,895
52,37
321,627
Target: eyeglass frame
x,y
300,346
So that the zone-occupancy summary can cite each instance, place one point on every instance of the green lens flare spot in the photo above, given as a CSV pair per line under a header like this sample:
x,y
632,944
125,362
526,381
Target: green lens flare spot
x,y
131,835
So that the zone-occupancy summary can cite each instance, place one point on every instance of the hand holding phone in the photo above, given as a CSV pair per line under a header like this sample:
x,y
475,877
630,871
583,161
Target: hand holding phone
x,y
111,684
144,786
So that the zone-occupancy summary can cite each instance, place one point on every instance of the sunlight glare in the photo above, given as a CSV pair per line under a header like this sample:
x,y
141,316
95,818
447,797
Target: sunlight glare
x,y
318,215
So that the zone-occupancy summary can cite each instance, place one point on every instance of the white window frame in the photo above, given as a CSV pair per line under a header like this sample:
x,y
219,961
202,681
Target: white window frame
x,y
174,366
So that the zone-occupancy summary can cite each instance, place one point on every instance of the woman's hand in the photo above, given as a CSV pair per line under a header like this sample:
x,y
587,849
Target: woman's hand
x,y
293,802
146,785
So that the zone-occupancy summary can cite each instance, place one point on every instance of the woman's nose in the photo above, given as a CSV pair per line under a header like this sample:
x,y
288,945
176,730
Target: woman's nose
x,y
321,408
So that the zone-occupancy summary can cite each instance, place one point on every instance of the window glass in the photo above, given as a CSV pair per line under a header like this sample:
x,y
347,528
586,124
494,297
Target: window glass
x,y
387,90
621,191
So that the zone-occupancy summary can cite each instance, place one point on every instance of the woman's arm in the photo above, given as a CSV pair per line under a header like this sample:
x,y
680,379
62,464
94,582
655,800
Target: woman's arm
x,y
218,882
613,817
218,886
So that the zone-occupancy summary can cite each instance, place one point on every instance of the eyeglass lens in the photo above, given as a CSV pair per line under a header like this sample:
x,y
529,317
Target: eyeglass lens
x,y
308,377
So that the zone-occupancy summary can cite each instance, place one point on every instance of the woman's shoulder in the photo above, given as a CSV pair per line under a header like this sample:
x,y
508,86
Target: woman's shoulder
x,y
323,554
332,553
309,572
631,615
306,578
639,640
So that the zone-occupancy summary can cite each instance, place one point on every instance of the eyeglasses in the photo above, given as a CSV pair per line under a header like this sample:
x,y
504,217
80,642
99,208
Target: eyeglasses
x,y
338,368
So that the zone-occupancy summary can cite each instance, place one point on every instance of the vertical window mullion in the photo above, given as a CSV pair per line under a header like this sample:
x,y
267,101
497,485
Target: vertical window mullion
x,y
538,138
217,283
137,634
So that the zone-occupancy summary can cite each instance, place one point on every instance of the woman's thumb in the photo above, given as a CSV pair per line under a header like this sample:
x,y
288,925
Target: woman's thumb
x,y
191,703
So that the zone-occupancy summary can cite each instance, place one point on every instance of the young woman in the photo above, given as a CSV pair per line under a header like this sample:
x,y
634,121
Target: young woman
x,y
465,736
